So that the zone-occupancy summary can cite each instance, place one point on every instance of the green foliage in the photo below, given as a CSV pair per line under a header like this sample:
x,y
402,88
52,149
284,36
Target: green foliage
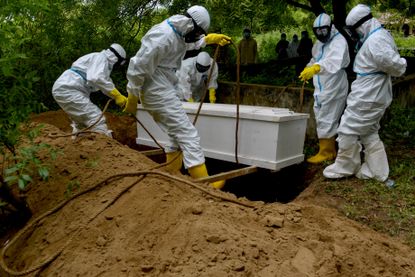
x,y
71,187
92,163
25,161
405,44
261,16
398,125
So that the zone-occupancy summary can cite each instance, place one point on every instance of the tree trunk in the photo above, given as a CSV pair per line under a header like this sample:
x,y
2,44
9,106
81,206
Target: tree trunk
x,y
316,7
339,13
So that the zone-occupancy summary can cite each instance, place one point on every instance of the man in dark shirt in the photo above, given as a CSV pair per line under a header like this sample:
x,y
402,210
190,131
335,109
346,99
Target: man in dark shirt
x,y
282,47
304,51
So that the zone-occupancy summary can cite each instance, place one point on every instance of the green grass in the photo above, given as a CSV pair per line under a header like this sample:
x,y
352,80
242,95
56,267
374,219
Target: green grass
x,y
405,44
387,210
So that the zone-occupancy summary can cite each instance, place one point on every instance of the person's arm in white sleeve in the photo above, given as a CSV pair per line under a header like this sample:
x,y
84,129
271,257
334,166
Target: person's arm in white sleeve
x,y
98,74
387,57
144,63
337,56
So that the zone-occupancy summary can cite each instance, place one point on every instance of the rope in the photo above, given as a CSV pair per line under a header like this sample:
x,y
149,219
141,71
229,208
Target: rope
x,y
237,98
302,97
205,86
142,174
85,130
148,132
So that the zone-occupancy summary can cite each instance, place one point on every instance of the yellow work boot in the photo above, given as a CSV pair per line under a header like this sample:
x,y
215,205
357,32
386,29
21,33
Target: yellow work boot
x,y
200,171
177,163
326,152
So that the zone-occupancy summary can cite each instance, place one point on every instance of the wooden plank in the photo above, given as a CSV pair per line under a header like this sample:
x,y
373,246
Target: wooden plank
x,y
152,152
228,175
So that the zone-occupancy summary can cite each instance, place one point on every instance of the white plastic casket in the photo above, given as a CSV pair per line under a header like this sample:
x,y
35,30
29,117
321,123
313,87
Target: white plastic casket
x,y
268,137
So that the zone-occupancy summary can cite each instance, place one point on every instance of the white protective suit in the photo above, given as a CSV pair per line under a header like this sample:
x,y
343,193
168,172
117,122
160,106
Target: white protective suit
x,y
191,82
330,84
152,76
72,90
371,93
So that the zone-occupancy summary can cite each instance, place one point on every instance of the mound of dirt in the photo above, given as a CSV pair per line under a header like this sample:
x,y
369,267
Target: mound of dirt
x,y
123,127
164,226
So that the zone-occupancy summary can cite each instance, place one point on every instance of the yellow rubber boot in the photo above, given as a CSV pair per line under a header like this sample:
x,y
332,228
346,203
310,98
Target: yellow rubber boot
x,y
177,163
200,171
326,152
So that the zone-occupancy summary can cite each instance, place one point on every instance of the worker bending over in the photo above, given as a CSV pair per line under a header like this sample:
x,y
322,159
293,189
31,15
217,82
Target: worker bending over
x,y
371,93
152,77
327,68
193,76
88,74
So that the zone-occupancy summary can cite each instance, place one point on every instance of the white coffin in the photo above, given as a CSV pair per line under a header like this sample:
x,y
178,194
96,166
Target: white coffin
x,y
270,138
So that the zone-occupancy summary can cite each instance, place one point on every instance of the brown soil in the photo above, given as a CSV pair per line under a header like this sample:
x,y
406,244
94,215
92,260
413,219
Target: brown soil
x,y
162,227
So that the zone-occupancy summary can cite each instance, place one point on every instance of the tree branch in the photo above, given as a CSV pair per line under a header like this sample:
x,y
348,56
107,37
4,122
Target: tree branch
x,y
299,5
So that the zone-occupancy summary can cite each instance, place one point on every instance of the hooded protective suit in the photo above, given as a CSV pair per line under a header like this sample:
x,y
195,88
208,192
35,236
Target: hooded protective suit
x,y
371,93
72,89
330,84
191,81
152,76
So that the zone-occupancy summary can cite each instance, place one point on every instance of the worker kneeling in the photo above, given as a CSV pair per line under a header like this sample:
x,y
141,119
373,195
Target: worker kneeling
x,y
152,76
194,77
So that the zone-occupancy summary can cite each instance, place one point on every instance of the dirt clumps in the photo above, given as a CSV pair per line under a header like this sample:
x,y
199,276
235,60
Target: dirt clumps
x,y
163,227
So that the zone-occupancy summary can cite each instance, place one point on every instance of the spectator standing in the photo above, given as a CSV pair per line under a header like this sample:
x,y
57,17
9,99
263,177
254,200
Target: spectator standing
x,y
281,47
304,51
293,46
248,48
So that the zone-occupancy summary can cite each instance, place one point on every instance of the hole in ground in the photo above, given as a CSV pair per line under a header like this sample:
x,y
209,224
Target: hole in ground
x,y
264,185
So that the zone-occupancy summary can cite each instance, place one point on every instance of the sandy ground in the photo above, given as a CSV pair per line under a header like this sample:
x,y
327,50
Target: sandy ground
x,y
164,227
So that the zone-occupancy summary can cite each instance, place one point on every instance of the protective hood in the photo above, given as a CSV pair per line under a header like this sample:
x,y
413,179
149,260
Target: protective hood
x,y
181,24
201,16
203,61
322,27
119,52
322,20
357,13
361,15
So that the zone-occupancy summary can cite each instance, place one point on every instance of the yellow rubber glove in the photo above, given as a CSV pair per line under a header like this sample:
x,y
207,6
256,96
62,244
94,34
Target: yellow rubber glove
x,y
191,100
220,39
131,105
212,95
309,72
120,99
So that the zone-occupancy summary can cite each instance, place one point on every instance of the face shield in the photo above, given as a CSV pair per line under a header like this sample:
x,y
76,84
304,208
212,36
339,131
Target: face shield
x,y
195,34
202,68
322,33
351,30
203,62
120,60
